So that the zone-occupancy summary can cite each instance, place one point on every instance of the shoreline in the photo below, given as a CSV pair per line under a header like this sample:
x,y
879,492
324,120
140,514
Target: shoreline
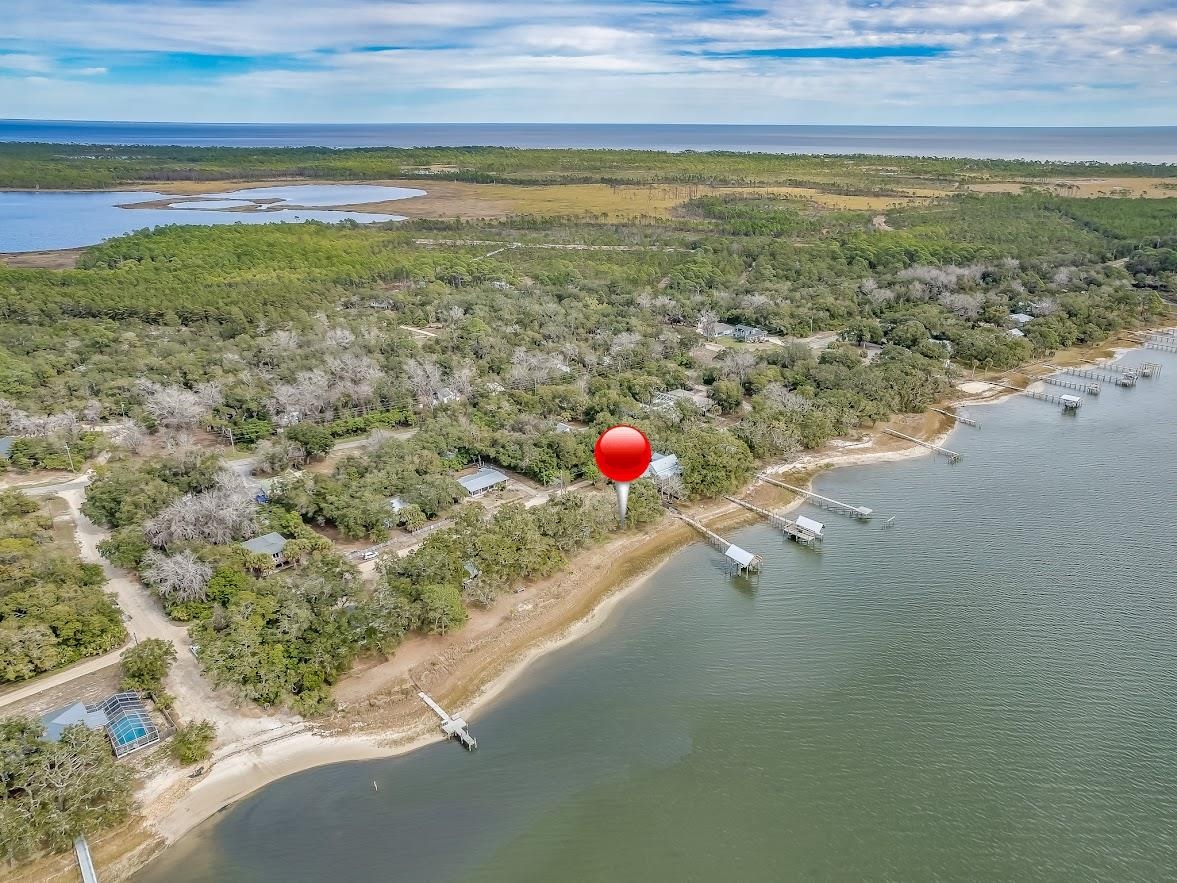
x,y
306,750
489,664
600,600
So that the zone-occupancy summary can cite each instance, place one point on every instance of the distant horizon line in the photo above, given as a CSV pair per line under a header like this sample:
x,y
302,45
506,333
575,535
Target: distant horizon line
x,y
4,120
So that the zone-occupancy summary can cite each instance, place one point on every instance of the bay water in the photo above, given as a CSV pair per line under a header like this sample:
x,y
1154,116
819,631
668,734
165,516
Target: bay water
x,y
1150,144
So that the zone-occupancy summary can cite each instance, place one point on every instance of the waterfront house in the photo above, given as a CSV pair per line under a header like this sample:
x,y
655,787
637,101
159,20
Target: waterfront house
x,y
123,718
272,544
482,481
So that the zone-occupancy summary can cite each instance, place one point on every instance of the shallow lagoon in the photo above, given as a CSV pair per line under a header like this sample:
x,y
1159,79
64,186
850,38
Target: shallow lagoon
x,y
42,220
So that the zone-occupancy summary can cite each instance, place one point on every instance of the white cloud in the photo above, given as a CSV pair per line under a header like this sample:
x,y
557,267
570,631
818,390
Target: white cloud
x,y
23,61
1004,61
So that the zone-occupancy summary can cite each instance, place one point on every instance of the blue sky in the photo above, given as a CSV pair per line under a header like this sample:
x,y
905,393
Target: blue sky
x,y
903,62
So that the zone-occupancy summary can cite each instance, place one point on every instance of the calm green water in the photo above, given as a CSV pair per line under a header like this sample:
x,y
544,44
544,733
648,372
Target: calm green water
x,y
986,692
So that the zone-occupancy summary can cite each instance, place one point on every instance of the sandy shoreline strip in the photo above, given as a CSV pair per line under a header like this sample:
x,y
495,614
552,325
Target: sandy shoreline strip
x,y
237,777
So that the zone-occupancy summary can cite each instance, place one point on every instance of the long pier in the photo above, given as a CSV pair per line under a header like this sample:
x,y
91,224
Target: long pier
x,y
1069,403
950,456
1162,345
1092,389
862,513
790,528
454,727
959,418
1126,370
1101,375
739,561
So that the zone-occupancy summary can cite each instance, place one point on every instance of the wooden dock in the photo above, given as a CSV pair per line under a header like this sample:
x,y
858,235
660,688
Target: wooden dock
x,y
1114,367
1128,380
862,513
1162,345
453,727
959,418
1092,389
950,456
805,536
1069,403
737,561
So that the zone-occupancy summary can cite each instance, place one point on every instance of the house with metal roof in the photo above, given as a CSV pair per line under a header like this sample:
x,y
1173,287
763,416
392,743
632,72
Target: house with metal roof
x,y
56,721
482,481
272,544
1020,318
123,717
663,466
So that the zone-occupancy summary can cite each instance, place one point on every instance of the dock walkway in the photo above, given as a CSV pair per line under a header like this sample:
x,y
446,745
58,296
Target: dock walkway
x,y
862,513
1102,375
950,456
451,726
959,418
794,530
1092,389
738,561
1069,402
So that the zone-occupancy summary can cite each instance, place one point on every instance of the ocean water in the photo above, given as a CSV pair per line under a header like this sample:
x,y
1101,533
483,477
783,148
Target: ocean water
x,y
985,692
41,220
1141,144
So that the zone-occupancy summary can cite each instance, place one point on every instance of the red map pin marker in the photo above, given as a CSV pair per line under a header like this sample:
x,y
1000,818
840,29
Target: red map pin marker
x,y
622,454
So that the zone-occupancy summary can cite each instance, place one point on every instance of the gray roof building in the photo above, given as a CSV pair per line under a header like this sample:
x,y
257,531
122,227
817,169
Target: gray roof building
x,y
6,446
482,480
267,544
56,721
749,332
663,466
1021,318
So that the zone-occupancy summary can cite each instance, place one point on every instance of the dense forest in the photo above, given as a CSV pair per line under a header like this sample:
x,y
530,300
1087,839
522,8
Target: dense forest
x,y
53,610
451,352
52,792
